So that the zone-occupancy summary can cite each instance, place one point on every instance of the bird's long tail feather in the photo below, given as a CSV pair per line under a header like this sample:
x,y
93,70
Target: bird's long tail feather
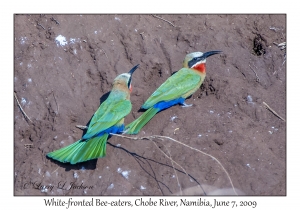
x,y
82,150
135,126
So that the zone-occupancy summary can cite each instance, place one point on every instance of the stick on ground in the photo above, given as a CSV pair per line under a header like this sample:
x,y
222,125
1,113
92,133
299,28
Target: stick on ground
x,y
269,108
172,161
163,20
169,138
82,127
22,108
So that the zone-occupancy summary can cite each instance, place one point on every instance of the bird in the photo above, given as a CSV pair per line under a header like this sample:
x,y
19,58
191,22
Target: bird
x,y
174,90
109,118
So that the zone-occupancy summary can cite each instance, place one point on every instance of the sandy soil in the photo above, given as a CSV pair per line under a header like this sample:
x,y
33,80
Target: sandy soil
x,y
65,64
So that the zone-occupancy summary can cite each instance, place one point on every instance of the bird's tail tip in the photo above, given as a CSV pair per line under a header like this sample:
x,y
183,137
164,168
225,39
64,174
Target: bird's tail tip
x,y
81,151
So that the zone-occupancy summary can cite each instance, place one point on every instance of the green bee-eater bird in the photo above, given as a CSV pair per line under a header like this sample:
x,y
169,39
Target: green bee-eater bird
x,y
174,90
109,118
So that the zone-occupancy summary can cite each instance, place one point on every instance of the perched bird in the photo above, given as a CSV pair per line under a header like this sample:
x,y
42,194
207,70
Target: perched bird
x,y
174,90
109,118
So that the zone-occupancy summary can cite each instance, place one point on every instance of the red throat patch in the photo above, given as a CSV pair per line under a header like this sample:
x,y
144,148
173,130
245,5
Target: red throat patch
x,y
200,67
130,88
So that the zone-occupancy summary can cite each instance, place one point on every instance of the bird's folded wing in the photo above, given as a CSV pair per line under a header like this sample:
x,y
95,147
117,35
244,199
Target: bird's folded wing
x,y
174,87
108,115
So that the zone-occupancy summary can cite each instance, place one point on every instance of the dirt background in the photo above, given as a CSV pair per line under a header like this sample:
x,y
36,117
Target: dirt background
x,y
59,84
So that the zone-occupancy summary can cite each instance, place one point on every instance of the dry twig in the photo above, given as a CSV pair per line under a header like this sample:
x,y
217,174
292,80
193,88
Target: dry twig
x,y
269,108
163,20
169,138
22,108
55,170
169,157
82,127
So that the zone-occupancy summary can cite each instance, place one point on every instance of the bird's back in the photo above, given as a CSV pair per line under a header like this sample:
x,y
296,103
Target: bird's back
x,y
178,85
110,112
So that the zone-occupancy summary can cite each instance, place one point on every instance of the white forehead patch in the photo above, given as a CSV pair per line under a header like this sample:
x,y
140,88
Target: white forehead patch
x,y
124,76
195,54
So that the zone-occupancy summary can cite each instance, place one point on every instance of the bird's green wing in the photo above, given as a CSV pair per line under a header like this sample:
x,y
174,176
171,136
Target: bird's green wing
x,y
111,111
174,87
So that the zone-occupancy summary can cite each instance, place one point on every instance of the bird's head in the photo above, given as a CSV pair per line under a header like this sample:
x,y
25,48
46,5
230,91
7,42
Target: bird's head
x,y
124,80
197,60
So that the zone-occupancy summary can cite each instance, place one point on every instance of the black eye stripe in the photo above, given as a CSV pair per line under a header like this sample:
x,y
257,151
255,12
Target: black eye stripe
x,y
194,61
129,81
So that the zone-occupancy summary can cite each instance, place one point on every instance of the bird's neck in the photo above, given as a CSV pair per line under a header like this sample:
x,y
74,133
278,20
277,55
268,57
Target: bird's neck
x,y
121,90
120,85
200,68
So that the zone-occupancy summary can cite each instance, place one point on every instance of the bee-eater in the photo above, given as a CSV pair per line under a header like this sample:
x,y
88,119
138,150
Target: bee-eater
x,y
174,90
109,118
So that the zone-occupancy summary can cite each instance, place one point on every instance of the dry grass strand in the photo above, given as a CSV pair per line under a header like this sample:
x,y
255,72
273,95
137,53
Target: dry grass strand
x,y
164,20
169,157
169,138
275,113
22,108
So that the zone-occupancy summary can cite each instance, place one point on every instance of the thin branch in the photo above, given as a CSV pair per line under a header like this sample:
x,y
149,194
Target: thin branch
x,y
169,157
131,138
169,138
203,154
55,170
163,20
82,127
269,108
22,108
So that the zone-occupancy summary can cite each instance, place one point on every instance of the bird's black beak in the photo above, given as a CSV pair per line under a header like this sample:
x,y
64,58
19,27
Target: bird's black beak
x,y
133,69
210,53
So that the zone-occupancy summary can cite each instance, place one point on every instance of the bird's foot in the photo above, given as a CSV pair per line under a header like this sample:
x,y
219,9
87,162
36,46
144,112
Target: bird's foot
x,y
187,105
